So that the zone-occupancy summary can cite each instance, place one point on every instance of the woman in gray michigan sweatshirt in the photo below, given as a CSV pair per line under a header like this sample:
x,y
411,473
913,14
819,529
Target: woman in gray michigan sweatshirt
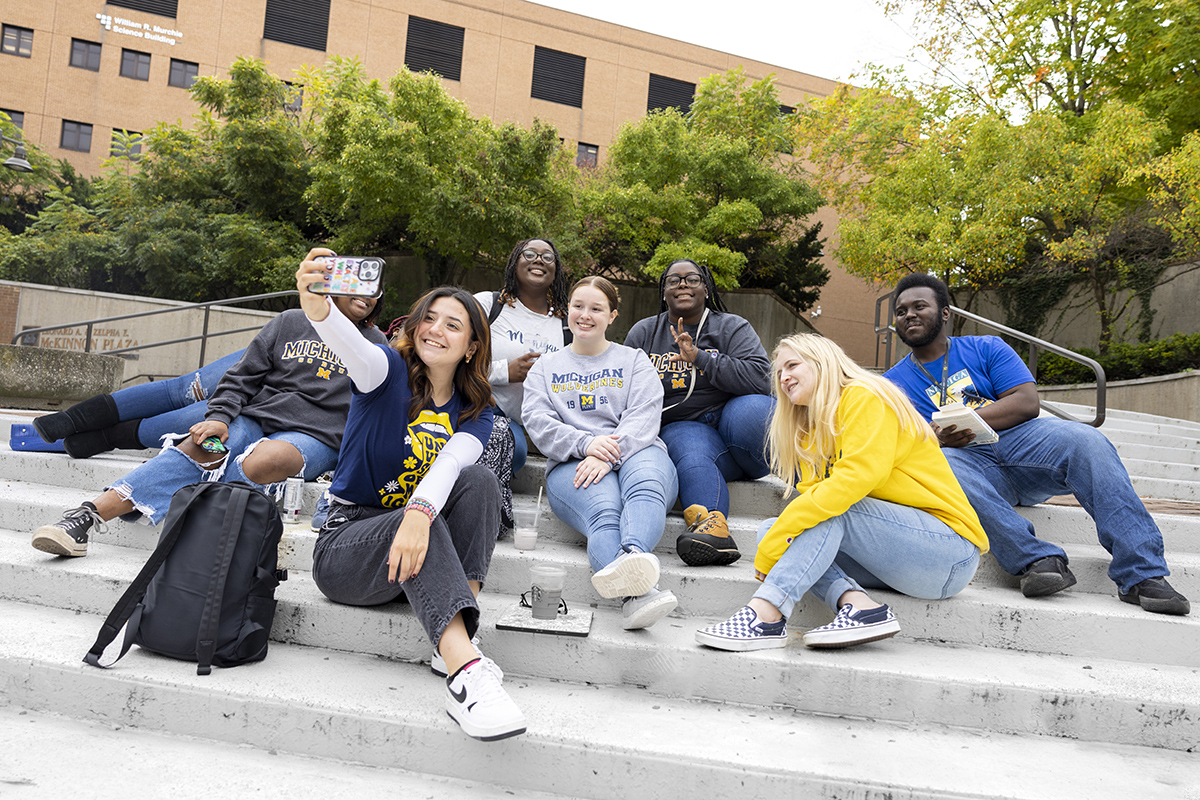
x,y
593,410
716,407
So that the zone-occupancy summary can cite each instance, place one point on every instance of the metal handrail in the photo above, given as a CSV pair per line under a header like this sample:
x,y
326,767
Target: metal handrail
x,y
204,336
1035,344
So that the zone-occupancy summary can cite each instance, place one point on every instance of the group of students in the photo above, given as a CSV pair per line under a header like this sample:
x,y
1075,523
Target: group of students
x,y
688,403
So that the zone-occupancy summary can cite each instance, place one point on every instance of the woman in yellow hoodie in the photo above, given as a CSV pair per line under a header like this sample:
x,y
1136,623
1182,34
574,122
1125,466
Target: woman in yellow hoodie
x,y
878,506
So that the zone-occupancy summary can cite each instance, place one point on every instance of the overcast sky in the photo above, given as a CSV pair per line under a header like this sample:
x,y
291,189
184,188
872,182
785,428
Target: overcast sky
x,y
826,38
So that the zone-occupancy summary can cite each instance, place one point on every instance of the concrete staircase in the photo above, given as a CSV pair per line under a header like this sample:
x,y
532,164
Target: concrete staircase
x,y
987,694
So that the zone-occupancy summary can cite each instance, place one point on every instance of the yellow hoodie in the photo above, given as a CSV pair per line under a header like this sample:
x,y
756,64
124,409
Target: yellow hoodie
x,y
875,458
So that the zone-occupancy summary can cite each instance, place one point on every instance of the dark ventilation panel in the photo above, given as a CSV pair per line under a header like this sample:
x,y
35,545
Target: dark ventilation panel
x,y
164,8
669,93
558,77
434,47
304,23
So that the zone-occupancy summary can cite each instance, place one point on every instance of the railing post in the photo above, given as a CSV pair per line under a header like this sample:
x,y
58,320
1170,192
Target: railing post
x,y
87,342
204,336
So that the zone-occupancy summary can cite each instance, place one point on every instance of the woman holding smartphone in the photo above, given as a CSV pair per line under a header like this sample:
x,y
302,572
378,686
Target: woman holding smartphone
x,y
593,410
279,412
412,514
878,506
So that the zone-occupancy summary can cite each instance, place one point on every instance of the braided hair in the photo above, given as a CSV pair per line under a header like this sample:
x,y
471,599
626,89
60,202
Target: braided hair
x,y
556,295
712,299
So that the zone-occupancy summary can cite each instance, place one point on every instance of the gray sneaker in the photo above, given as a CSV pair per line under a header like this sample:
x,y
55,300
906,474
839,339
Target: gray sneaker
x,y
644,611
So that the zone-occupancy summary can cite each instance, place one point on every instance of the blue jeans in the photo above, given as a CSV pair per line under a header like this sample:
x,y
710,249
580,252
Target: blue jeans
x,y
520,446
151,485
626,508
1042,458
726,445
874,545
155,403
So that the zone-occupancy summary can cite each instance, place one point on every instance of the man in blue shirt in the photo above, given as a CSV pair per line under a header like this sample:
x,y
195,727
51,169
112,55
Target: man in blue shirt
x,y
1035,459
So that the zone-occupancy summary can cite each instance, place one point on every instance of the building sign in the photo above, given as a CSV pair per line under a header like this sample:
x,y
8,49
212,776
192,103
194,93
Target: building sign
x,y
142,30
76,339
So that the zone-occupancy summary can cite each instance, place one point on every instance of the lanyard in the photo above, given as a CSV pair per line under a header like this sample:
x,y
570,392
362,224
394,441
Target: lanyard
x,y
945,397
696,340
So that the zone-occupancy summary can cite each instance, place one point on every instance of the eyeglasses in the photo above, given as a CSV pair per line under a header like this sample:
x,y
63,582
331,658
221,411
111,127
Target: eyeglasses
x,y
693,281
533,255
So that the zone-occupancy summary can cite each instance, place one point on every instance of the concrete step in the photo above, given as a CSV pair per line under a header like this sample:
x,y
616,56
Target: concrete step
x,y
982,634
591,740
156,764
1119,417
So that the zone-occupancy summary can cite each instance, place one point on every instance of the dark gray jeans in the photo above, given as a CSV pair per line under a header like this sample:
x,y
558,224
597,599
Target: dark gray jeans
x,y
350,557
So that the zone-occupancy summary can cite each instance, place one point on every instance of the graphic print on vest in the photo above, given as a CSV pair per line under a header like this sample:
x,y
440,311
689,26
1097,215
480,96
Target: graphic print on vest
x,y
961,389
314,351
426,436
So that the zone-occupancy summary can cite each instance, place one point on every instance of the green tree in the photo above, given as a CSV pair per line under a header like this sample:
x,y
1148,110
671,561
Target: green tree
x,y
409,167
712,186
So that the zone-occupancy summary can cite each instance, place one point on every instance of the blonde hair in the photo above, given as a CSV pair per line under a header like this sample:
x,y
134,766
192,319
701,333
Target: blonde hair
x,y
801,435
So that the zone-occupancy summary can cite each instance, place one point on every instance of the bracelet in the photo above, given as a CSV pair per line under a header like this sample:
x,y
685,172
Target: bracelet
x,y
424,506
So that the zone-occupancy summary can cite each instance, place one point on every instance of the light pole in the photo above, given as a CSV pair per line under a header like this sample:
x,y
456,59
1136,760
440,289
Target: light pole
x,y
18,161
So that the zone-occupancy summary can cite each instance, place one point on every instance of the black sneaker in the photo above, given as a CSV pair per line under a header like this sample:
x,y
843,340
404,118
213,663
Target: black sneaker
x,y
1157,596
69,536
1046,576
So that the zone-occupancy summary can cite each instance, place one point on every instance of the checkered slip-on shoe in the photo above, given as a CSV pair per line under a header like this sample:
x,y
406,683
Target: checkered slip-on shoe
x,y
744,631
852,627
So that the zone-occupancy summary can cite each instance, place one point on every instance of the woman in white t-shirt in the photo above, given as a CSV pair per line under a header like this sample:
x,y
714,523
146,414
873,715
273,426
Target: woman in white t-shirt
x,y
527,317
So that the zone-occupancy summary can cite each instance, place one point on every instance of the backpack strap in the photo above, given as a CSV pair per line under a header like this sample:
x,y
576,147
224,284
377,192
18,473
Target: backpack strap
x,y
497,307
130,602
231,529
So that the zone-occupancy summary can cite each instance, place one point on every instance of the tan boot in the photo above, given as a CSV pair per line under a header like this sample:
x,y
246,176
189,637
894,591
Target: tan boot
x,y
707,540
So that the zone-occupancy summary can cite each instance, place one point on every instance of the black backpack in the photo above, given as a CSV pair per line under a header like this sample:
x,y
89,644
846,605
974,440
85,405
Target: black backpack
x,y
181,607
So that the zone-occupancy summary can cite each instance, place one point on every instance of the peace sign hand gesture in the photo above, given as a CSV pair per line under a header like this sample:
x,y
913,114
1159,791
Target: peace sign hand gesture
x,y
687,348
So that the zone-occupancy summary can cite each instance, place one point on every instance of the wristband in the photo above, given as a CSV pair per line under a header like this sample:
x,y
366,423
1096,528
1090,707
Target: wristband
x,y
424,506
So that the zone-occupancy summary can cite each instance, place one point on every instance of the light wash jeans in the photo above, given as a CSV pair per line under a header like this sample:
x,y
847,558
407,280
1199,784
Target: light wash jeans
x,y
874,545
1042,458
152,484
726,445
626,508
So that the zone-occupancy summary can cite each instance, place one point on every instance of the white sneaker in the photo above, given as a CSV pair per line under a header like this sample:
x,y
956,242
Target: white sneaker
x,y
437,664
478,703
644,611
630,575
852,627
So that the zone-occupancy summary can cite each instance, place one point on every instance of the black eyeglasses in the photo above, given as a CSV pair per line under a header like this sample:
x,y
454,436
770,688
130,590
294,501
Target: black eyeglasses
x,y
694,281
533,255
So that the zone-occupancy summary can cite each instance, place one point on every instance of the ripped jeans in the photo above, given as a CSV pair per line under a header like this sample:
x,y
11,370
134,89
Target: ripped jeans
x,y
151,485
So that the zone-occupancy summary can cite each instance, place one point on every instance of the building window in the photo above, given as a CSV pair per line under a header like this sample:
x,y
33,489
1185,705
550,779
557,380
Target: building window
x,y
669,93
586,155
85,55
304,23
17,41
76,136
183,73
135,65
434,47
126,143
17,117
164,8
294,99
558,77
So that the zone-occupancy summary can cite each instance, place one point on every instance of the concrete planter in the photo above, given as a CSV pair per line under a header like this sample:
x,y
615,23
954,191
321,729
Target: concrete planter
x,y
1176,395
39,377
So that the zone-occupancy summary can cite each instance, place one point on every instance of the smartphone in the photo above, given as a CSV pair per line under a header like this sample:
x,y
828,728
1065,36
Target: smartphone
x,y
213,444
350,276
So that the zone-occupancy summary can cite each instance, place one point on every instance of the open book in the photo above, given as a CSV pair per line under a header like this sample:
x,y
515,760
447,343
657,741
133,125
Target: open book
x,y
964,418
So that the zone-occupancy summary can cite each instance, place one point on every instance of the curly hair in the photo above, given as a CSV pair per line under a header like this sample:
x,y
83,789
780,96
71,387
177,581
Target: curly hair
x,y
713,299
556,295
920,279
471,374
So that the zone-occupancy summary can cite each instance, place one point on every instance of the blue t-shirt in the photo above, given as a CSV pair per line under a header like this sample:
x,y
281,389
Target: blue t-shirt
x,y
381,460
981,369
